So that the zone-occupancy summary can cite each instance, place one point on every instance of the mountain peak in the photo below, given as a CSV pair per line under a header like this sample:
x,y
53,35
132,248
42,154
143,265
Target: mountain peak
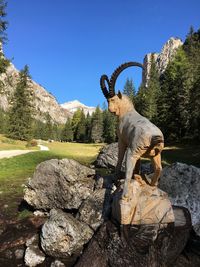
x,y
73,106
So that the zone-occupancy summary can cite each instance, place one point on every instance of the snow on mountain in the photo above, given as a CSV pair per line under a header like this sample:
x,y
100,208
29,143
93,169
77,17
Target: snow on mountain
x,y
73,106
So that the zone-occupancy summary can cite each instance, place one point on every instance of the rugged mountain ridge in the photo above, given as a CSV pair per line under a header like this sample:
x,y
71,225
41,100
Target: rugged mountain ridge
x,y
43,101
162,59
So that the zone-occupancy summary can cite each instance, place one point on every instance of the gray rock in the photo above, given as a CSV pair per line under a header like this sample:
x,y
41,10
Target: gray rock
x,y
107,157
34,240
62,234
57,263
96,208
19,254
182,183
33,255
59,184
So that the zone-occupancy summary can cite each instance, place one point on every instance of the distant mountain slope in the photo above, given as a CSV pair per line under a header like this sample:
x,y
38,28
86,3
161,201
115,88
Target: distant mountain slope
x,y
43,101
73,106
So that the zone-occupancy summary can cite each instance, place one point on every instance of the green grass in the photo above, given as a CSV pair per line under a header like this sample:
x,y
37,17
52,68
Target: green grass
x,y
189,154
10,144
15,171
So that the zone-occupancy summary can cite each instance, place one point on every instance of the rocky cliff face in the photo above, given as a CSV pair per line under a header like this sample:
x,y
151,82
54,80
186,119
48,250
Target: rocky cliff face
x,y
43,101
161,59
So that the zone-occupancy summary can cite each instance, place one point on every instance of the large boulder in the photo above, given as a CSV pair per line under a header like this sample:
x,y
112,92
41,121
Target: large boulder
x,y
108,156
62,235
182,183
59,184
96,208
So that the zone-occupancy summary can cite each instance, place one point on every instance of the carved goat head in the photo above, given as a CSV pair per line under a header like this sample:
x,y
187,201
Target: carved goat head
x,y
109,90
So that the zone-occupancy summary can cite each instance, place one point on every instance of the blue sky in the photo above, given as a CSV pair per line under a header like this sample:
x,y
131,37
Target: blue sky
x,y
69,44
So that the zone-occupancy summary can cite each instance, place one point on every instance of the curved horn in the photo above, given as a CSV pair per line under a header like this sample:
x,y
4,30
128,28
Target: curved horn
x,y
103,86
118,71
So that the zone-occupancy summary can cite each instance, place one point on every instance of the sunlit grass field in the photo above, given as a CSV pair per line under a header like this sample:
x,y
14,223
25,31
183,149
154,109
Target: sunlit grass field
x,y
14,172
10,144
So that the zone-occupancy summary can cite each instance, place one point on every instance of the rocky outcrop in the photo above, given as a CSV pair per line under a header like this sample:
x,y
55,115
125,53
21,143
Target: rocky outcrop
x,y
86,218
161,59
43,101
182,183
62,234
60,184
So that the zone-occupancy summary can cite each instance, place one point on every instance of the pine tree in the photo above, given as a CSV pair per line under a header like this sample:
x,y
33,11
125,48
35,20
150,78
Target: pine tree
x,y
153,91
141,101
67,133
3,22
3,121
39,129
109,127
173,115
88,121
129,89
20,114
194,109
97,126
4,63
81,128
75,121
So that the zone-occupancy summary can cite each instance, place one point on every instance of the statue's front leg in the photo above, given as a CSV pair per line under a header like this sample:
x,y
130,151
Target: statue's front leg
x,y
131,160
121,152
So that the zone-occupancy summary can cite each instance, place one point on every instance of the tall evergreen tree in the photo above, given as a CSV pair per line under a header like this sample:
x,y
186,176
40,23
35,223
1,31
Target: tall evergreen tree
x,y
20,114
3,121
109,127
153,91
3,22
174,102
81,128
141,101
97,126
88,121
67,133
129,89
75,121
48,127
194,109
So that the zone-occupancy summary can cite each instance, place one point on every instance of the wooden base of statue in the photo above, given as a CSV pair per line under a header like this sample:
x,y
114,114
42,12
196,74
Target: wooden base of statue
x,y
144,231
145,205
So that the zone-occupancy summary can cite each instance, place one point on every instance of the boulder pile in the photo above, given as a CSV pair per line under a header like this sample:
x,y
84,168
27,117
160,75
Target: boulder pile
x,y
77,205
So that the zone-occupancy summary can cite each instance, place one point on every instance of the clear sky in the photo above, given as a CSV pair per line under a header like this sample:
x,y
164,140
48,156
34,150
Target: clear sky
x,y
69,44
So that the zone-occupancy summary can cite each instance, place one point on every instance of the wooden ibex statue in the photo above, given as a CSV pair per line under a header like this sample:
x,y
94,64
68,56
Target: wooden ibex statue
x,y
136,134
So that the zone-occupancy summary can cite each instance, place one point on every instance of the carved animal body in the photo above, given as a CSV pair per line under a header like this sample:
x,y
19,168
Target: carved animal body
x,y
137,135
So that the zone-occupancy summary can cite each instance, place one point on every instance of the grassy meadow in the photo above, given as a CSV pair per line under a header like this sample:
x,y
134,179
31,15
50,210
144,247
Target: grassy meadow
x,y
15,171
